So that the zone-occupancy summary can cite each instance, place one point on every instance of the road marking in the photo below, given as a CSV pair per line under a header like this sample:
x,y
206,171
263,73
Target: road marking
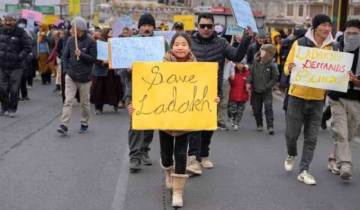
x,y
121,186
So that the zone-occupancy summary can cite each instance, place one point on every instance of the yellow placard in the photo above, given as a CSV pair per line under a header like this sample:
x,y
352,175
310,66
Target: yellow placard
x,y
74,7
187,20
96,19
174,96
50,19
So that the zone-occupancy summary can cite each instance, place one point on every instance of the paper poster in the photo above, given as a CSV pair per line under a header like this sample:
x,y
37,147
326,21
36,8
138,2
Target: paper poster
x,y
324,69
234,30
243,14
124,51
102,50
174,96
30,22
127,21
187,20
168,35
74,7
118,27
50,19
38,16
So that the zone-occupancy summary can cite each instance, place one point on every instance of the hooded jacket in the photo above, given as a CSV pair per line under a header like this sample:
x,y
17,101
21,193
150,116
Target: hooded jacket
x,y
307,93
238,90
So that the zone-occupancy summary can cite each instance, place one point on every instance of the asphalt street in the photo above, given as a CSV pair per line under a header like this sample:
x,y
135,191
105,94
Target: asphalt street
x,y
40,170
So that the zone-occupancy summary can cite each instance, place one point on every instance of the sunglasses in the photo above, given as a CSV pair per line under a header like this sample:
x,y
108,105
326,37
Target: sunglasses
x,y
209,26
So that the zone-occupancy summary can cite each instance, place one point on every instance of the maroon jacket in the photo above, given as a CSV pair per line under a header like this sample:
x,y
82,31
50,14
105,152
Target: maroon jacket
x,y
238,86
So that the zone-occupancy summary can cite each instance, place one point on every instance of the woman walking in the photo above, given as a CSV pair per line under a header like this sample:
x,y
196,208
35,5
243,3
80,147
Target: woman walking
x,y
43,48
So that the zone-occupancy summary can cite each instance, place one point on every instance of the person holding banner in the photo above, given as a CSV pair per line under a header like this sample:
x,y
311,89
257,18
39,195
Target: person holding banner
x,y
208,47
305,104
345,107
15,46
78,61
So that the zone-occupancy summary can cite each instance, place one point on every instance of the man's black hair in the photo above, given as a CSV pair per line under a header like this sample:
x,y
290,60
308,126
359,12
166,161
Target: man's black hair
x,y
206,16
353,23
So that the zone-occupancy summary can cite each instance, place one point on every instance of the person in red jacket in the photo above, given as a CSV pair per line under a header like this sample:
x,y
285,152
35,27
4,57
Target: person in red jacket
x,y
238,93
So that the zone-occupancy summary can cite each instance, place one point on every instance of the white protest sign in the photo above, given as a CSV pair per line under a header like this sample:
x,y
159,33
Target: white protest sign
x,y
102,50
323,69
242,12
30,22
118,27
125,51
168,35
234,30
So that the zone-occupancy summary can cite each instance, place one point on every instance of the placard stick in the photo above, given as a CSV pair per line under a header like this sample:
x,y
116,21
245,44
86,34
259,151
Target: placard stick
x,y
232,40
76,41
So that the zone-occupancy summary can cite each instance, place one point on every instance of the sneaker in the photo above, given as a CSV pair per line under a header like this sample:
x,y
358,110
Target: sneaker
x,y
333,168
223,127
289,163
83,129
323,125
232,120
345,172
236,128
4,112
135,165
260,128
145,159
306,178
206,163
26,98
116,109
271,131
98,112
62,130
12,114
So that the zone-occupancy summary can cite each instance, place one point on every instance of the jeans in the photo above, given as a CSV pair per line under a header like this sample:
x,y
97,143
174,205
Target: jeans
x,y
308,113
199,144
168,149
258,99
10,81
237,110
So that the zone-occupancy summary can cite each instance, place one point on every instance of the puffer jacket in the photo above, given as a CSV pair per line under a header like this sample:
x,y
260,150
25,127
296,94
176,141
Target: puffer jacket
x,y
238,90
80,70
216,49
15,46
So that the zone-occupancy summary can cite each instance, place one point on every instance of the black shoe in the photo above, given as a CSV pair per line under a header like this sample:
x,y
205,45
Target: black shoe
x,y
323,124
27,98
271,131
62,130
135,165
145,159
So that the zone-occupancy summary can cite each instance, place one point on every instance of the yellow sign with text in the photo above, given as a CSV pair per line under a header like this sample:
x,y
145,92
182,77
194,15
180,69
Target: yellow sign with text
x,y
174,96
50,19
187,20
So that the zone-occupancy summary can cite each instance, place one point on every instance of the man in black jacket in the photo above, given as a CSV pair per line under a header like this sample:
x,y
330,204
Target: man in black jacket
x,y
207,47
14,47
345,107
255,47
78,65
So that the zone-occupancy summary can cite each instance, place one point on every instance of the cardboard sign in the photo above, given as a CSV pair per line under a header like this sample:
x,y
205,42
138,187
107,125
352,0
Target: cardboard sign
x,y
187,20
30,22
118,27
25,13
74,7
168,35
102,50
323,69
174,96
242,13
124,51
234,30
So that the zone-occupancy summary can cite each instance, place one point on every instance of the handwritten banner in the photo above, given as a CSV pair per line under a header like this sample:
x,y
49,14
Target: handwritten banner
x,y
187,20
174,96
25,13
102,50
324,69
234,30
124,51
243,14
168,35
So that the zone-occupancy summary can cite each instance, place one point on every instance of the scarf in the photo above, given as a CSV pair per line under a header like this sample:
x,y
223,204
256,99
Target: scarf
x,y
351,43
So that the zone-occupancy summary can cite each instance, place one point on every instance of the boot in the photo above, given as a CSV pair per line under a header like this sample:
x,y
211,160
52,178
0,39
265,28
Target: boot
x,y
194,166
168,178
178,189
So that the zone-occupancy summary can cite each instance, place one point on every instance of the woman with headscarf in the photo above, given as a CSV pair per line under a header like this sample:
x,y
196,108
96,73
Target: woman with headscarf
x,y
106,84
43,48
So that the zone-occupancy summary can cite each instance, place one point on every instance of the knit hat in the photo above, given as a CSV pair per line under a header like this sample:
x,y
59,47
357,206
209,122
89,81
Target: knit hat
x,y
147,19
81,23
261,34
269,48
320,19
11,14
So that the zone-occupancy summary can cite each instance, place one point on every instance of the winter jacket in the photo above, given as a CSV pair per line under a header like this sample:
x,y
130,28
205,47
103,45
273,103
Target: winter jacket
x,y
284,51
15,46
216,49
263,77
307,93
80,70
238,90
253,50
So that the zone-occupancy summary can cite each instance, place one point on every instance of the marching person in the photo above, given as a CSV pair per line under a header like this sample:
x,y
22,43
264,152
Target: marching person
x,y
255,47
178,27
44,49
78,64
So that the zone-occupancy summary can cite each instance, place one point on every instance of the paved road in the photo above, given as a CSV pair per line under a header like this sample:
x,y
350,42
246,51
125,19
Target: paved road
x,y
39,170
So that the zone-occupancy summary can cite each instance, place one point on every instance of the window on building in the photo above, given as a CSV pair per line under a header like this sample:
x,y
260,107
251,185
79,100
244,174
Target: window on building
x,y
290,10
301,10
316,9
330,10
357,11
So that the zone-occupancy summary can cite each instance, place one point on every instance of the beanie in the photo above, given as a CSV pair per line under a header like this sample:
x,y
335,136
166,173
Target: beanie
x,y
269,48
147,19
320,19
11,14
261,34
81,23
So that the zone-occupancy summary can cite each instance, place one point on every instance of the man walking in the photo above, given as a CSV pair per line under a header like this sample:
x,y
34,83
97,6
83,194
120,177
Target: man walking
x,y
78,64
14,48
345,107
255,47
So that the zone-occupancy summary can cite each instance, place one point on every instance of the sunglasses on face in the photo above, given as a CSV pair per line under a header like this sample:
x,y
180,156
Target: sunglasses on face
x,y
209,26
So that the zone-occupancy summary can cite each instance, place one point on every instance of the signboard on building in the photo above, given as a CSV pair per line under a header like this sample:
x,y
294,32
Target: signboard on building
x,y
217,10
203,9
18,8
